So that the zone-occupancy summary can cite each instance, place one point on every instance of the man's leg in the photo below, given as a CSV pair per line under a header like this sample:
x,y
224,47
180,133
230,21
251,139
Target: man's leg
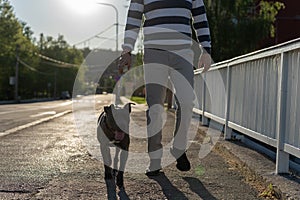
x,y
156,77
183,80
155,95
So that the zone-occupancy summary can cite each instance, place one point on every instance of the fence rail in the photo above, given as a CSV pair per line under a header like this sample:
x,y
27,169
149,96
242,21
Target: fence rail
x,y
257,94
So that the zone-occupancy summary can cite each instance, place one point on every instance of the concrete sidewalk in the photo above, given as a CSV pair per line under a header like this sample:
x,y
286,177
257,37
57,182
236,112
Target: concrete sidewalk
x,y
54,161
257,169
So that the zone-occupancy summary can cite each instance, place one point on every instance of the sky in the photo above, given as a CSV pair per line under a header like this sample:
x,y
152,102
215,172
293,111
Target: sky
x,y
76,20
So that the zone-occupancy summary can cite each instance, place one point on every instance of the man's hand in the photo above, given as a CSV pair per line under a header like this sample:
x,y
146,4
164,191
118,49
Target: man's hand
x,y
125,60
204,61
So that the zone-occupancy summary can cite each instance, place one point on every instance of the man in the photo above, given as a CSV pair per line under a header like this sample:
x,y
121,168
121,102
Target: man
x,y
167,53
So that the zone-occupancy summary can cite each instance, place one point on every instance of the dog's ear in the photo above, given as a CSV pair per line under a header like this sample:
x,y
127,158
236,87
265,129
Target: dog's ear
x,y
112,106
109,108
106,109
128,106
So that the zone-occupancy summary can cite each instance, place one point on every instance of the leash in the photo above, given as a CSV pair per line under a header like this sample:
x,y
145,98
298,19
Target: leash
x,y
121,71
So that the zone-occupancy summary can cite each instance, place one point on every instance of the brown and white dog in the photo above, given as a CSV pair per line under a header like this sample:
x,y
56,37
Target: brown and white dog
x,y
113,131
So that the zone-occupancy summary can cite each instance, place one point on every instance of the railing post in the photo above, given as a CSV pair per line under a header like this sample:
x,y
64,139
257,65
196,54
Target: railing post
x,y
228,131
204,119
282,158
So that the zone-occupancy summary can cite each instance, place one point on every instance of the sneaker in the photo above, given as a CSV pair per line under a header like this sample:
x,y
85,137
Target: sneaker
x,y
154,168
183,164
152,173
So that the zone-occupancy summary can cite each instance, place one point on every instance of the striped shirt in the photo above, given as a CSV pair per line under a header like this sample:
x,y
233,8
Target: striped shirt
x,y
167,24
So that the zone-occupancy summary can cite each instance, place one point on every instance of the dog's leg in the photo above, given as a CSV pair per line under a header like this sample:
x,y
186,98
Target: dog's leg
x,y
105,151
116,161
111,189
123,159
108,176
120,176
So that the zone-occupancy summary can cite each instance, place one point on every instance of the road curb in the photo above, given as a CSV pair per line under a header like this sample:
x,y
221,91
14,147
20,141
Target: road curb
x,y
252,176
18,128
285,186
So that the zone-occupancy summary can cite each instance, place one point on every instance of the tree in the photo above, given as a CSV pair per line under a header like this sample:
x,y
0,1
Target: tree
x,y
238,26
268,12
63,76
12,34
35,75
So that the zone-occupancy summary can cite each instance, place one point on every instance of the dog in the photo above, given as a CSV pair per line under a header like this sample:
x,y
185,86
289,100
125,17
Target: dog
x,y
113,131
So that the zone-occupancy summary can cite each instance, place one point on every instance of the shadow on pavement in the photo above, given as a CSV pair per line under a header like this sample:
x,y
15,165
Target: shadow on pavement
x,y
169,190
293,177
197,187
123,195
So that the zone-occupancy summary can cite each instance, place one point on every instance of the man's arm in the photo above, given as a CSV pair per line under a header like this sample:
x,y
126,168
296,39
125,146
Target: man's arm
x,y
203,34
133,24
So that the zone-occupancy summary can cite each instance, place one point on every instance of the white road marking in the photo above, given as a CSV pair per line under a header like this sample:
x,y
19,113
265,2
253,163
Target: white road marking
x,y
65,103
44,113
18,128
18,109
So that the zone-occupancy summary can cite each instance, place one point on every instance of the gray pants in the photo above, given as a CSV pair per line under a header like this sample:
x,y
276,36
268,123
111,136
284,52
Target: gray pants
x,y
160,67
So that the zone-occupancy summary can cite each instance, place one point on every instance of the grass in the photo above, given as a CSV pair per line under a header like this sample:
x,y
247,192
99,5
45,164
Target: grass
x,y
200,170
138,100
270,193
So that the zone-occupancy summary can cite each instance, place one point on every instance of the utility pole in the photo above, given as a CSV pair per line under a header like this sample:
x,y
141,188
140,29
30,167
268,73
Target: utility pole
x,y
17,74
55,82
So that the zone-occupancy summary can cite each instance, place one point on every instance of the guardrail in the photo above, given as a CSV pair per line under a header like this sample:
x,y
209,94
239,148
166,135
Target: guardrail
x,y
257,94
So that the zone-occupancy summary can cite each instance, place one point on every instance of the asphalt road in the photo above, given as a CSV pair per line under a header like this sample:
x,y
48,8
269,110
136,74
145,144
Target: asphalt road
x,y
14,115
58,159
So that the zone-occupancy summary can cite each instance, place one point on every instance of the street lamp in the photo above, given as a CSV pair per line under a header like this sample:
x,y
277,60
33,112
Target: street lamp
x,y
117,21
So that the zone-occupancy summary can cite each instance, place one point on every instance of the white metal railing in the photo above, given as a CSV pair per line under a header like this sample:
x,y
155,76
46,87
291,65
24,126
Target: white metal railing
x,y
257,94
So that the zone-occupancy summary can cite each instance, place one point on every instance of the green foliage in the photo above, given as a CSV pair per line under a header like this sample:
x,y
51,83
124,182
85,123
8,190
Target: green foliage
x,y
62,76
138,59
138,100
239,26
37,77
268,11
271,192
200,170
12,34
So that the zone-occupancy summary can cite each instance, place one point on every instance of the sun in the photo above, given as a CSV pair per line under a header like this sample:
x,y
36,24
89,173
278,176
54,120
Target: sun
x,y
82,7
